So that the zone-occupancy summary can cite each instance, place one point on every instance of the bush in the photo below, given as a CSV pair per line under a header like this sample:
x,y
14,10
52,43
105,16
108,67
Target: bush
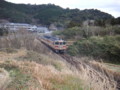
x,y
107,47
86,32
70,33
3,31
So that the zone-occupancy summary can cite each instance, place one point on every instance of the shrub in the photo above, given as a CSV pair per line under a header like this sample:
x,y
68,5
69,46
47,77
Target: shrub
x,y
86,32
107,47
3,31
20,80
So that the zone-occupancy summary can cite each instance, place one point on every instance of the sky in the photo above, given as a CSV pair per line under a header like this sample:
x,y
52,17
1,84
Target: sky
x,y
110,6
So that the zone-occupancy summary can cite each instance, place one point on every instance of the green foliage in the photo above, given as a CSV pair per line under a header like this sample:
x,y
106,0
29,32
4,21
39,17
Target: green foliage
x,y
73,24
100,22
73,50
98,42
107,47
47,14
104,22
56,33
20,80
115,21
69,33
86,32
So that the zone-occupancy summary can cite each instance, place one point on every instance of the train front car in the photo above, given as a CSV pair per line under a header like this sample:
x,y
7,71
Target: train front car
x,y
57,44
60,46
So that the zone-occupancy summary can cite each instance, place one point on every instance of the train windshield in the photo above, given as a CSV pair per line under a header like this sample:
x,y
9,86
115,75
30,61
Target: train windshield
x,y
64,43
56,43
60,43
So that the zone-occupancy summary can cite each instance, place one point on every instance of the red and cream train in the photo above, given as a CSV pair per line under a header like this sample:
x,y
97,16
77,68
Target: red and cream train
x,y
57,44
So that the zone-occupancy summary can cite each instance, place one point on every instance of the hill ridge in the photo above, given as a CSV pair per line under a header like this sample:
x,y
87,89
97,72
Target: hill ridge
x,y
46,14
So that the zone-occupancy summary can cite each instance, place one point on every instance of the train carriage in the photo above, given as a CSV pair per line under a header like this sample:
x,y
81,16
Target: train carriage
x,y
57,44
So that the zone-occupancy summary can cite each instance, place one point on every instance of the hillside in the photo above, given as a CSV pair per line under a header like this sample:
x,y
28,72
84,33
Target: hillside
x,y
47,13
25,66
91,62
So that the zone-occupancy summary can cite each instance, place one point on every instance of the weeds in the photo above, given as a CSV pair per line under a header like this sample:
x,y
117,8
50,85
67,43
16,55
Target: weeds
x,y
8,50
42,59
19,79
68,83
4,78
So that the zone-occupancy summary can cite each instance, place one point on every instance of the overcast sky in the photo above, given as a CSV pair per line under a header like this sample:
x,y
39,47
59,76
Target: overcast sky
x,y
109,6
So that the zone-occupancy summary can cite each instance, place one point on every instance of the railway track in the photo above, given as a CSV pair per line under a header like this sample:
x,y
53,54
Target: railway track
x,y
71,60
65,56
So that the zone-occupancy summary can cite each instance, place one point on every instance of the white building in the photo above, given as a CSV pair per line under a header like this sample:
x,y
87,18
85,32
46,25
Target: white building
x,y
15,26
42,29
23,26
32,28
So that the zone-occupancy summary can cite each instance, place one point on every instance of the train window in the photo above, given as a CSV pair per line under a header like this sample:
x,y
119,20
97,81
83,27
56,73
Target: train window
x,y
64,43
60,43
56,43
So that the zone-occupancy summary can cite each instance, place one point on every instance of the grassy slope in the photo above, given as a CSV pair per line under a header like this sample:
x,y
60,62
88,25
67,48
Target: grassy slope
x,y
31,70
46,74
37,68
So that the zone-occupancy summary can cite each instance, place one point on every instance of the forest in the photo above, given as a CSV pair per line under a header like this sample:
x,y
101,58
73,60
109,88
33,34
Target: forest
x,y
45,14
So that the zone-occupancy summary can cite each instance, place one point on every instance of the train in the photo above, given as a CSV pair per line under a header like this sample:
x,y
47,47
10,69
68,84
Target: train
x,y
55,43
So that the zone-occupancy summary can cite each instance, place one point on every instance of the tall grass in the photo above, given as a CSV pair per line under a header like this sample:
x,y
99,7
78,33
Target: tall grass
x,y
22,39
4,78
97,76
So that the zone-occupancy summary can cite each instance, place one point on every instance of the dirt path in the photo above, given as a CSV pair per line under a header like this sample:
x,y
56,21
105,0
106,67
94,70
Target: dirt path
x,y
70,60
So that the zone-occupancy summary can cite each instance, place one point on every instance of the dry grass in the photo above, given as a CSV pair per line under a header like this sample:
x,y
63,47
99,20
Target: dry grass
x,y
31,69
112,67
43,69
97,75
44,75
22,39
4,78
42,59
